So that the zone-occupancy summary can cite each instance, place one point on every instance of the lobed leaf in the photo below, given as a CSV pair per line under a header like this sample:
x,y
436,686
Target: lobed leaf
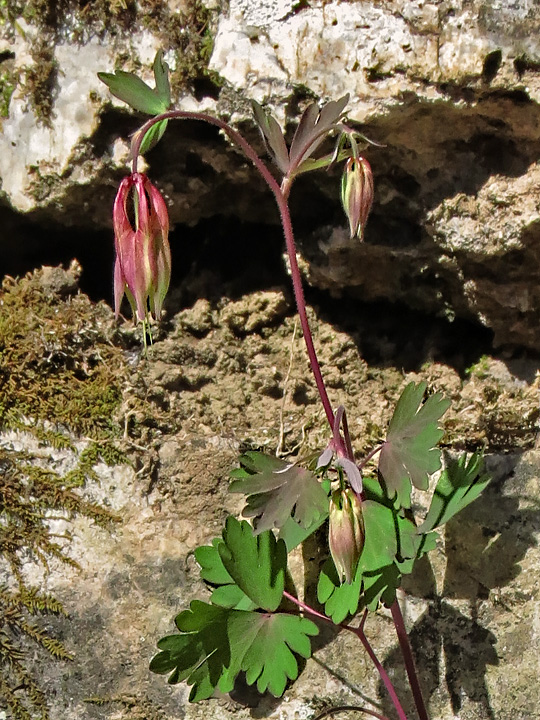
x,y
339,599
227,593
380,587
216,644
277,490
459,485
257,564
409,453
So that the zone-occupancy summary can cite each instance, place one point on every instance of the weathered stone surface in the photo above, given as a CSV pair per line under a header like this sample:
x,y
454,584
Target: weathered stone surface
x,y
450,89
204,391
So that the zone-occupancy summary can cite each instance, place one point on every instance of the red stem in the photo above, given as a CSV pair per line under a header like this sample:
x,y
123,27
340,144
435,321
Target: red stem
x,y
359,632
281,195
408,659
371,454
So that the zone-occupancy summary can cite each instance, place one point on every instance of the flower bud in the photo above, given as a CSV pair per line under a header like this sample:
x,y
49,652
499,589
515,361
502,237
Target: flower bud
x,y
357,193
143,257
346,532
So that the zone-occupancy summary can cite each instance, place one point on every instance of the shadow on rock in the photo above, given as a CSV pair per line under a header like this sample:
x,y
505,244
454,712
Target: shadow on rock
x,y
484,546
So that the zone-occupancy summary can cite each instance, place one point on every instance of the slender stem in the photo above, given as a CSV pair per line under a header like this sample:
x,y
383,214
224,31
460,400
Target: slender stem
x,y
359,632
371,454
347,437
308,608
281,195
408,659
382,672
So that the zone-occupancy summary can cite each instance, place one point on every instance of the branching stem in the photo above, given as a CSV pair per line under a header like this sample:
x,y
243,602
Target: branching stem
x,y
359,632
281,195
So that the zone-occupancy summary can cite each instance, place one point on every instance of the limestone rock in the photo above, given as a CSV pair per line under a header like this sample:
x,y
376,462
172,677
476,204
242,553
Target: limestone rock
x,y
450,90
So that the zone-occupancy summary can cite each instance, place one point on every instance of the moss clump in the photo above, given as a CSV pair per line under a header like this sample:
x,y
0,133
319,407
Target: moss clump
x,y
40,82
130,707
61,375
58,360
8,83
189,34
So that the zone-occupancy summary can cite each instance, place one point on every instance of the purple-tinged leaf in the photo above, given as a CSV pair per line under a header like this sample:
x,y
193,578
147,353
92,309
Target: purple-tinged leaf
x,y
277,490
304,132
409,453
353,473
313,127
273,137
332,111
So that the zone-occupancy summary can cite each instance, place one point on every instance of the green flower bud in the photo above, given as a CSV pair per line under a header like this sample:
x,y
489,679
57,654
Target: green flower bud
x,y
346,532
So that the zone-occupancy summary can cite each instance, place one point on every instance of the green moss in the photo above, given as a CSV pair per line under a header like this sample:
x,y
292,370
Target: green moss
x,y
39,82
8,83
480,369
130,707
61,375
189,34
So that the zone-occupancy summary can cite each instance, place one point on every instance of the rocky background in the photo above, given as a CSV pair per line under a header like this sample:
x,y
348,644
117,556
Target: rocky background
x,y
445,287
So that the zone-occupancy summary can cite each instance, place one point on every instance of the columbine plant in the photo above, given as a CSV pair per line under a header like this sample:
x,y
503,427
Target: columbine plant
x,y
247,625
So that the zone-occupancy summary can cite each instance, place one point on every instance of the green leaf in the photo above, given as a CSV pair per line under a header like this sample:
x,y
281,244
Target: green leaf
x,y
392,545
153,136
161,75
380,546
270,660
459,485
256,564
217,643
293,534
339,599
409,453
380,586
227,594
420,544
134,91
277,490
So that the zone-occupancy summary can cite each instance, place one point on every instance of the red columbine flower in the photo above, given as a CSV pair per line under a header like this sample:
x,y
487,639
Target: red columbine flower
x,y
143,257
346,532
357,193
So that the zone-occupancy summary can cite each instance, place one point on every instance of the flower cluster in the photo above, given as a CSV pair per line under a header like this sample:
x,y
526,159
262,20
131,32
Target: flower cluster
x,y
142,269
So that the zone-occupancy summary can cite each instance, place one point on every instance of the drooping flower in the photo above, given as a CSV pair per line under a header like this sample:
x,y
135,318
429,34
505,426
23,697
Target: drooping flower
x,y
346,532
357,193
143,257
